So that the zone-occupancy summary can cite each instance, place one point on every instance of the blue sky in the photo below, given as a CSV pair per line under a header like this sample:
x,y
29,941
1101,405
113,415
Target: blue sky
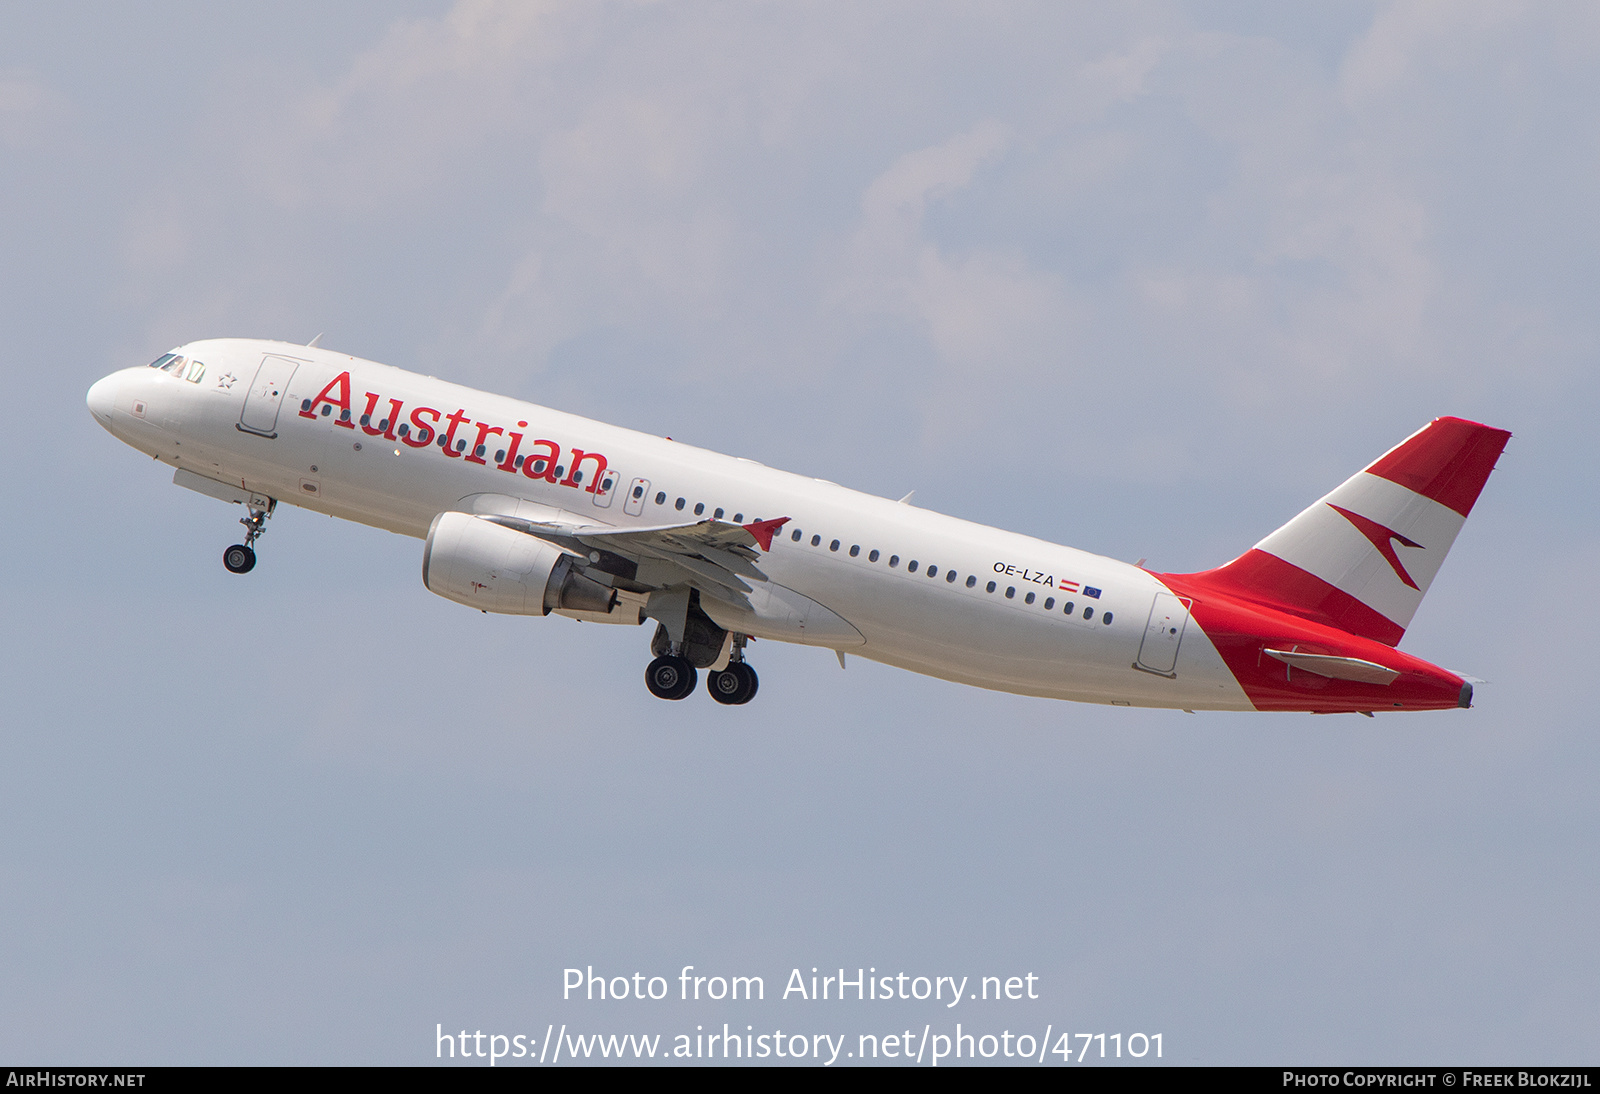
x,y
1143,279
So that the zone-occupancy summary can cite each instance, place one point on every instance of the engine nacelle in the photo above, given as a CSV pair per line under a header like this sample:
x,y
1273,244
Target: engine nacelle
x,y
495,569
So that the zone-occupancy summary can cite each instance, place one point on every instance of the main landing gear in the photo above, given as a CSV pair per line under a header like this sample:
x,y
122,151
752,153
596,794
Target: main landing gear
x,y
241,557
672,675
734,685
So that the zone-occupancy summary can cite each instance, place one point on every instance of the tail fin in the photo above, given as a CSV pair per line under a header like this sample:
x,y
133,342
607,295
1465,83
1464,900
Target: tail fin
x,y
1362,557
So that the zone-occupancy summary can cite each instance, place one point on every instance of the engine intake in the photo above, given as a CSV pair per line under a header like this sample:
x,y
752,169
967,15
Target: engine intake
x,y
495,569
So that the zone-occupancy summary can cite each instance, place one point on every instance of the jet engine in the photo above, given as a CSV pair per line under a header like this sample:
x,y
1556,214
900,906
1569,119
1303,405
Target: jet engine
x,y
496,569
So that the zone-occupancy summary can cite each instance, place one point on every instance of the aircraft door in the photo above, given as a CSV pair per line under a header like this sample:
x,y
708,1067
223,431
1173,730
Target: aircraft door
x,y
1158,653
265,397
606,489
638,490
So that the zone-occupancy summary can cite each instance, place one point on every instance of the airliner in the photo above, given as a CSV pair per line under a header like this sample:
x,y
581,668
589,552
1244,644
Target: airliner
x,y
530,511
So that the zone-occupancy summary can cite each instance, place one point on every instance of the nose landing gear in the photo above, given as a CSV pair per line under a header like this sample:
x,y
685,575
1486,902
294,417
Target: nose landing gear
x,y
241,557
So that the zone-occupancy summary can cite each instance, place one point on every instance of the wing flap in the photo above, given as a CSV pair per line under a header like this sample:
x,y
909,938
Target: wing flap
x,y
711,553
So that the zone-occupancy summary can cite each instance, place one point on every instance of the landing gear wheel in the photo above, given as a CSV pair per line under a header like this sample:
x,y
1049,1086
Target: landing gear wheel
x,y
733,686
670,677
239,559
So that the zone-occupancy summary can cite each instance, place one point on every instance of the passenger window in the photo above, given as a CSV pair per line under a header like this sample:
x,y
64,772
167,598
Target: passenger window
x,y
894,560
559,469
344,415
933,571
461,446
1067,607
855,550
305,404
738,518
816,541
1088,613
950,576
383,423
1106,619
1028,599
661,498
834,546
479,450
989,587
796,535
972,579
577,476
680,503
1011,592
326,410
405,431
366,419
911,567
1049,602
872,556
500,456
699,508
717,515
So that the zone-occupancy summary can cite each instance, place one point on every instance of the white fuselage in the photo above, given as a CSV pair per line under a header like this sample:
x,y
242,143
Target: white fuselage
x,y
880,565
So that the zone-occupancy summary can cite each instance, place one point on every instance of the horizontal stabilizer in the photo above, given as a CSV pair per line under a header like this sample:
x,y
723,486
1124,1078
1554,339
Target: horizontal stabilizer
x,y
1339,668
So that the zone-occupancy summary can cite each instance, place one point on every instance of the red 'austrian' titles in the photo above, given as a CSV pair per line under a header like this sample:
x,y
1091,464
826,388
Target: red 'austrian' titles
x,y
541,461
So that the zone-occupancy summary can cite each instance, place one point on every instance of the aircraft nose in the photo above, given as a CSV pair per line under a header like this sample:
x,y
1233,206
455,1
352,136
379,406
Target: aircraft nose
x,y
102,397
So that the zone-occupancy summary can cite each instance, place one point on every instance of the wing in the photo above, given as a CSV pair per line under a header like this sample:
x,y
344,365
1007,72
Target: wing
x,y
712,555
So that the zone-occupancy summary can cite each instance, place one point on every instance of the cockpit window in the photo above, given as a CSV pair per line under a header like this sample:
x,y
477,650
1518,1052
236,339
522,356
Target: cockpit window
x,y
175,365
196,370
164,360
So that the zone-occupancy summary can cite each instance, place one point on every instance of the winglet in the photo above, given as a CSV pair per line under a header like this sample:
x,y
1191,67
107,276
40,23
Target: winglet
x,y
763,530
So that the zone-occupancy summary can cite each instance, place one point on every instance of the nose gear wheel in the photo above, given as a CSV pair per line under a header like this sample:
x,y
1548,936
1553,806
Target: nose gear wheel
x,y
241,557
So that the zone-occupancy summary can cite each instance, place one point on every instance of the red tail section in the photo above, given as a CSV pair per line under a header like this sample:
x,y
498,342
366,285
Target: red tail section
x,y
1340,583
1448,460
1362,557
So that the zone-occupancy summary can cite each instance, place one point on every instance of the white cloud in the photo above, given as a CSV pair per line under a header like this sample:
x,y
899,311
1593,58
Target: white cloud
x,y
1412,33
28,106
1204,225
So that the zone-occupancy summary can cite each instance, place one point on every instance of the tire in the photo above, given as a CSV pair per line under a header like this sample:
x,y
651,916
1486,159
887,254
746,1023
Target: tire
x,y
239,559
733,686
670,677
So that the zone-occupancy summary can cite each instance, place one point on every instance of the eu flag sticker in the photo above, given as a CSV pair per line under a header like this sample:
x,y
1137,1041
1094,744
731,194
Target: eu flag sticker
x,y
1091,592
